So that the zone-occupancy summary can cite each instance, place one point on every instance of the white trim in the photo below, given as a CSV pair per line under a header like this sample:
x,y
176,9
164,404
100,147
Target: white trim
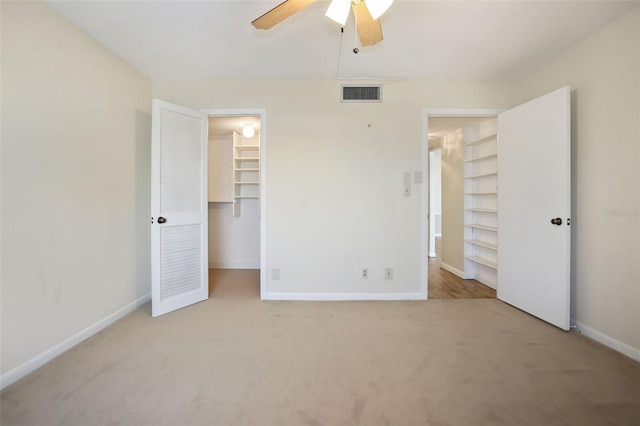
x,y
424,224
462,112
615,344
263,182
485,282
454,271
227,265
327,297
432,254
42,358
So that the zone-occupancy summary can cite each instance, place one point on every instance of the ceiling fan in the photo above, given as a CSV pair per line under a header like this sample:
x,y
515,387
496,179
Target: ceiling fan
x,y
366,13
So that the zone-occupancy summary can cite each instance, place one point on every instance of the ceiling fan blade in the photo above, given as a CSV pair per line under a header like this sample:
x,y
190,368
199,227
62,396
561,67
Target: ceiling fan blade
x,y
369,29
280,13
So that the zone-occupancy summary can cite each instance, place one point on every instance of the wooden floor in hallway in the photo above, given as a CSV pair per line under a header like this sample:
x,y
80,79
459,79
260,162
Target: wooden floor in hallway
x,y
445,285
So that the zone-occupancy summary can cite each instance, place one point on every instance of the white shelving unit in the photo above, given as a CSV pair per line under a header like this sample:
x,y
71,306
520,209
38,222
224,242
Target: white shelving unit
x,y
481,207
246,170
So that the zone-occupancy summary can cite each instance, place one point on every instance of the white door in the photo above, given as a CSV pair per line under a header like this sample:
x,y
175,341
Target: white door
x,y
534,189
179,258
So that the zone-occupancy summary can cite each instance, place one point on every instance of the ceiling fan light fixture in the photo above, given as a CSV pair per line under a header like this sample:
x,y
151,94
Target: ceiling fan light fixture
x,y
339,11
247,130
378,7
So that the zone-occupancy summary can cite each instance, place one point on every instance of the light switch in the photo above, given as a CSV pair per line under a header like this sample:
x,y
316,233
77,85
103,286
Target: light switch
x,y
406,177
417,177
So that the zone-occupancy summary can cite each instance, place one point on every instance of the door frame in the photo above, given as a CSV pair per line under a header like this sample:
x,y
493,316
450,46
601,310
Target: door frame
x,y
262,113
438,112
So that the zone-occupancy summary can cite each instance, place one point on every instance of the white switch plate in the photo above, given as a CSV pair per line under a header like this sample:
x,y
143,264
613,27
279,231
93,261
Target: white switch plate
x,y
407,190
406,176
417,177
275,274
388,273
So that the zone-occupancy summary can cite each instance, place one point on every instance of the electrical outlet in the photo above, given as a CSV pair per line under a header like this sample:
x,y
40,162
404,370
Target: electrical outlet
x,y
407,190
275,273
388,273
364,274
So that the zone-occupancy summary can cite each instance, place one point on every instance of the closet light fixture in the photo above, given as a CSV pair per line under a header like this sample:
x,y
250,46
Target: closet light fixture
x,y
247,130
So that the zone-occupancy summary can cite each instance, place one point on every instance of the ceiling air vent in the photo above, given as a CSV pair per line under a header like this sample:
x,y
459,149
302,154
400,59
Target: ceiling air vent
x,y
352,93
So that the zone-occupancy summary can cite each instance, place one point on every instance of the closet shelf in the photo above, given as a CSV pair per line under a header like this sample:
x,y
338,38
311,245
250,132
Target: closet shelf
x,y
482,175
481,203
246,169
482,261
482,140
475,210
479,226
484,157
481,193
481,243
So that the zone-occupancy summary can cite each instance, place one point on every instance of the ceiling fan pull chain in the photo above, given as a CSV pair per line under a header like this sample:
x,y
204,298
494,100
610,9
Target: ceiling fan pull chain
x,y
340,52
355,30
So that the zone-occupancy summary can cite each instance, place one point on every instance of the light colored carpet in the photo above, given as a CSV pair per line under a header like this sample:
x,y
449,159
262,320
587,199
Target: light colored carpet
x,y
236,360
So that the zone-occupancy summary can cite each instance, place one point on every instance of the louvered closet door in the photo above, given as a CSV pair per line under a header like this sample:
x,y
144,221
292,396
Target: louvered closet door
x,y
179,258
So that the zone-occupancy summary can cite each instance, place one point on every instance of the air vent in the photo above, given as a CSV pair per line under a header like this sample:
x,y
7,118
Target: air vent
x,y
372,93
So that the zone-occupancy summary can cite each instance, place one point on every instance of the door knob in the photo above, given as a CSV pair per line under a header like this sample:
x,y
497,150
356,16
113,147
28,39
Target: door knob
x,y
161,219
556,221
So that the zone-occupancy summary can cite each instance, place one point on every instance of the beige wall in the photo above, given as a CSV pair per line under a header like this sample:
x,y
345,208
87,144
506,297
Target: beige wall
x,y
453,202
334,183
604,74
75,181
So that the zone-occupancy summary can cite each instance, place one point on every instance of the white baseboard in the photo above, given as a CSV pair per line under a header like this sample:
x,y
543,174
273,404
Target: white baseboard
x,y
453,270
227,265
487,283
329,297
616,345
432,254
39,360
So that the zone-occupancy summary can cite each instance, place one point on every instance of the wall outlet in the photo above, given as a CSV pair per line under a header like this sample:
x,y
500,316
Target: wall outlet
x,y
407,190
364,274
388,273
275,273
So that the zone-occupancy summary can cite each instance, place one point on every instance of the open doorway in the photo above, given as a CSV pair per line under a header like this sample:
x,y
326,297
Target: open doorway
x,y
235,182
451,274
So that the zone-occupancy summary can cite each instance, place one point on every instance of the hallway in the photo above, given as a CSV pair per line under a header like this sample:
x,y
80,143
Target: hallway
x,y
445,285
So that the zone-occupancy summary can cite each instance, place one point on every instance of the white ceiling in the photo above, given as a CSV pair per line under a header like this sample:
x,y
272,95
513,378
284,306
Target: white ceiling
x,y
453,40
